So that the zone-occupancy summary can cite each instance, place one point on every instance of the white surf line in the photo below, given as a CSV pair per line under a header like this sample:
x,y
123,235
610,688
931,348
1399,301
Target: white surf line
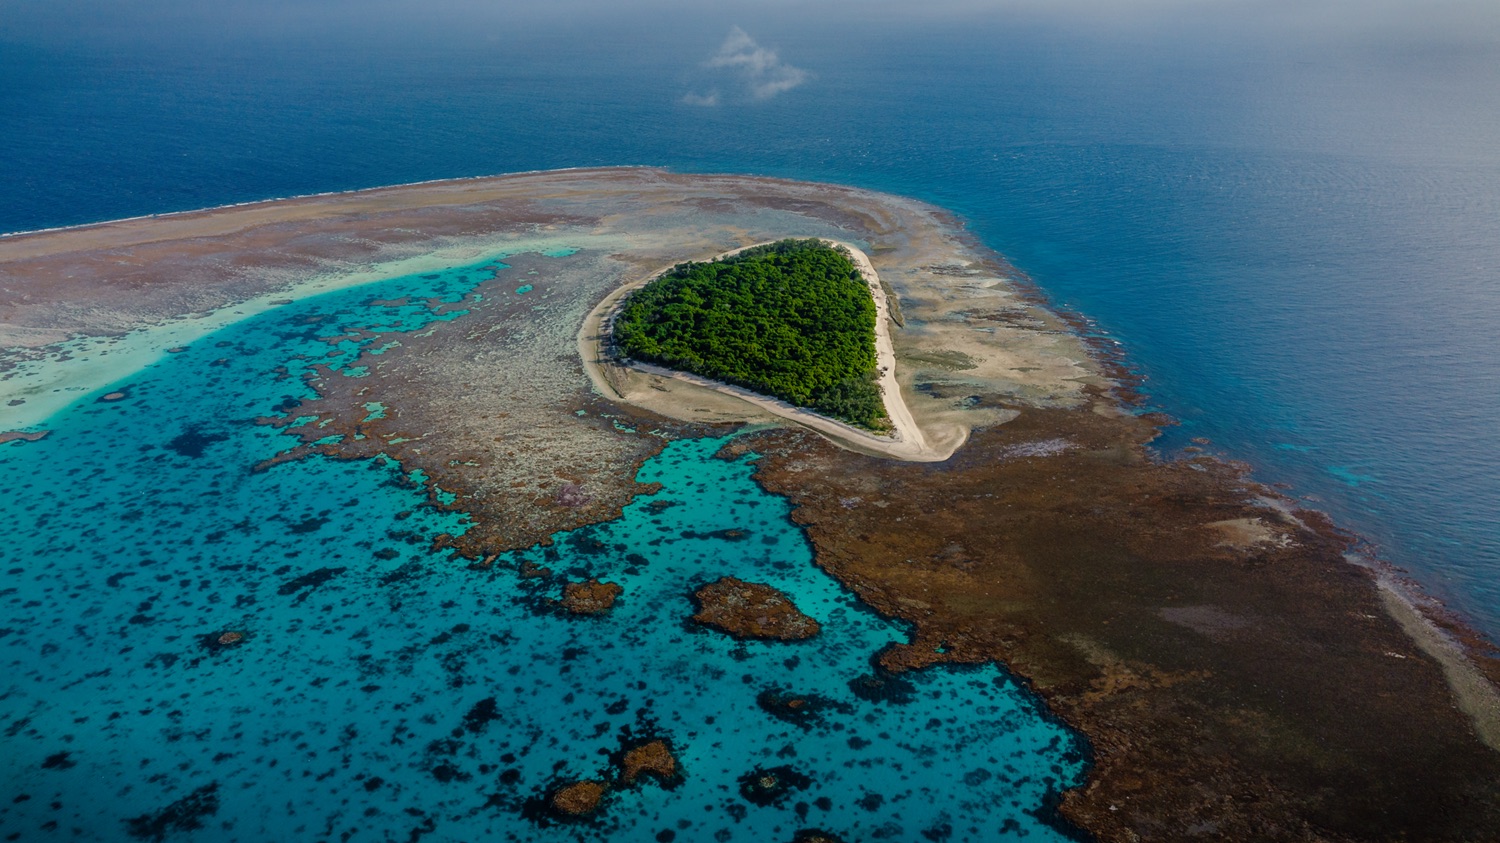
x,y
908,441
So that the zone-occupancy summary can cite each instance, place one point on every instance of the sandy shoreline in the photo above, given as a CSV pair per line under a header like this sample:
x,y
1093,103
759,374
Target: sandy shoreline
x,y
1473,693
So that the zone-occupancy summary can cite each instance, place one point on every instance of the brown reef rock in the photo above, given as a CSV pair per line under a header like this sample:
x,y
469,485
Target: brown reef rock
x,y
648,759
590,598
751,610
1233,690
22,436
577,799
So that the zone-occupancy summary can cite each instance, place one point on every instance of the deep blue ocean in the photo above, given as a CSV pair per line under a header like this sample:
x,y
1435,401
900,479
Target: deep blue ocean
x,y
1290,219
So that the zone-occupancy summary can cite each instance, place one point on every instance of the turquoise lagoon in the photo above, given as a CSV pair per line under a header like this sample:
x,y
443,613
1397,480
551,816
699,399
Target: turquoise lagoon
x,y
386,692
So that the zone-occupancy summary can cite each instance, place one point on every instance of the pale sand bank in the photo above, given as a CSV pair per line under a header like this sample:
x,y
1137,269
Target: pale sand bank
x,y
1475,695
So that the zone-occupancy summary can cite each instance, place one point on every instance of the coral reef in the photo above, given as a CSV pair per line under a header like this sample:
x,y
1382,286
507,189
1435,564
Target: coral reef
x,y
577,799
590,598
653,758
748,610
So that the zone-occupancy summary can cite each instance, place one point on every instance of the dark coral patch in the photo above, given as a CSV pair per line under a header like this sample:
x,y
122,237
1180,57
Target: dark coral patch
x,y
193,441
481,714
216,642
882,687
310,580
59,761
804,710
815,835
186,814
767,786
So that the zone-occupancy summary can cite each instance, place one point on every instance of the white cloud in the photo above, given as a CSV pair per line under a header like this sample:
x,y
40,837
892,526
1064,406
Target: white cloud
x,y
709,99
762,71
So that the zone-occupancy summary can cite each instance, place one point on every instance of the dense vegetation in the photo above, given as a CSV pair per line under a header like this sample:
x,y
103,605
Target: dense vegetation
x,y
792,319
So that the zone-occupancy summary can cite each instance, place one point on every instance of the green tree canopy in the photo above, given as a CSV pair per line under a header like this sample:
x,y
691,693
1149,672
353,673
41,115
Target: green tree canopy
x,y
791,319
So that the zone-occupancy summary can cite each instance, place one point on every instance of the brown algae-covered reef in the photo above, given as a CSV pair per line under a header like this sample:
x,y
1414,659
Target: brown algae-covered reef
x,y
1236,677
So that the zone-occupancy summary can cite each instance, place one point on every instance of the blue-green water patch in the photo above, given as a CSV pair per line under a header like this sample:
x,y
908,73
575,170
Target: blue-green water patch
x,y
1349,475
191,647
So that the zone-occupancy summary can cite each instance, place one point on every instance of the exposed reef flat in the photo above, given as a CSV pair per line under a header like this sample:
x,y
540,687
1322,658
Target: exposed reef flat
x,y
1257,685
1236,677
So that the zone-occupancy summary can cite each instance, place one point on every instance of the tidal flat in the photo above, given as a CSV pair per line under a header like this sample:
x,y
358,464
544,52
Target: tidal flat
x,y
318,553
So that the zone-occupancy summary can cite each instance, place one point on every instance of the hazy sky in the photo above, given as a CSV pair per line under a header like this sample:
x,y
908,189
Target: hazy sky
x,y
1462,20
1363,56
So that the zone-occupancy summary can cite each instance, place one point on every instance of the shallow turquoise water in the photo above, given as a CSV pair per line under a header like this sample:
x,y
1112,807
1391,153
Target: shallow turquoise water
x,y
386,692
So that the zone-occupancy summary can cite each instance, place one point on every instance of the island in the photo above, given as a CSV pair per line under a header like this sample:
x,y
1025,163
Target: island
x,y
1258,680
792,319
